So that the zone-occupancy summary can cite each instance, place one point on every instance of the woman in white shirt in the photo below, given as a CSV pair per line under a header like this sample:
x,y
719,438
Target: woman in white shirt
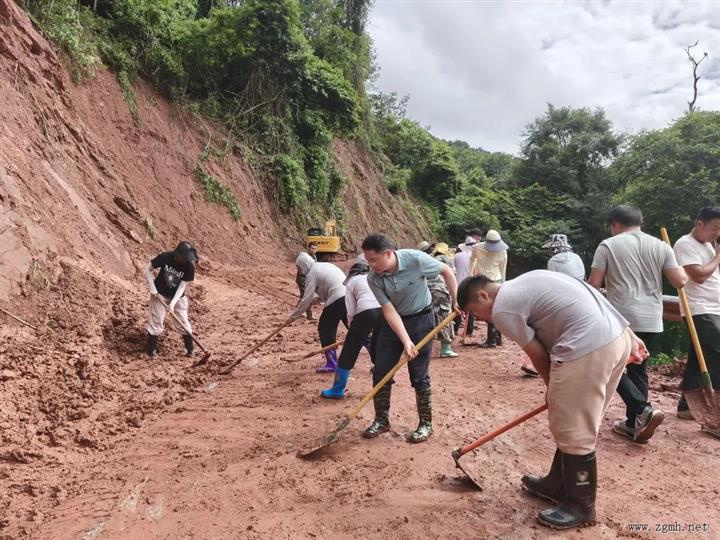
x,y
364,316
489,258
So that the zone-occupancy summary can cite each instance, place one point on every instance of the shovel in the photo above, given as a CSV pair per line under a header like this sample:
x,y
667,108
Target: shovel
x,y
703,402
206,353
332,437
313,353
460,452
227,369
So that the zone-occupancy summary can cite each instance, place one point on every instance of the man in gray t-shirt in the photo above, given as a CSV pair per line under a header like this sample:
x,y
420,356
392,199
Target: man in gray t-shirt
x,y
579,344
632,264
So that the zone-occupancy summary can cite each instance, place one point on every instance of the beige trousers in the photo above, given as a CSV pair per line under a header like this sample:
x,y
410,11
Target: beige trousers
x,y
158,311
579,393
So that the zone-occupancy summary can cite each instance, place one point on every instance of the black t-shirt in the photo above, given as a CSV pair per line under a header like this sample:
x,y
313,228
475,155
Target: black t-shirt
x,y
171,273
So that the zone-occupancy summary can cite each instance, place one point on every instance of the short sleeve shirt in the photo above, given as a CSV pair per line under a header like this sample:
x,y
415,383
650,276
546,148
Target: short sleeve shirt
x,y
570,318
704,298
633,263
406,288
171,273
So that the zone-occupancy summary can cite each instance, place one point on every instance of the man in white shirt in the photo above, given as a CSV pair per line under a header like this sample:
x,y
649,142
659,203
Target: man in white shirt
x,y
632,265
579,344
699,253
462,271
562,258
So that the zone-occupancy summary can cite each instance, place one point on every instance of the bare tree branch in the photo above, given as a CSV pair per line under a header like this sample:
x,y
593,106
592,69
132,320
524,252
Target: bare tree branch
x,y
695,63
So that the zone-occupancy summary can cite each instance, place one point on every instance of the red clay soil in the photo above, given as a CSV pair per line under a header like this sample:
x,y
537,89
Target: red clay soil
x,y
98,441
221,462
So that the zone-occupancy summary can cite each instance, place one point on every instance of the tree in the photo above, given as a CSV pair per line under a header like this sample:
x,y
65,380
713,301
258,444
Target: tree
x,y
695,63
673,172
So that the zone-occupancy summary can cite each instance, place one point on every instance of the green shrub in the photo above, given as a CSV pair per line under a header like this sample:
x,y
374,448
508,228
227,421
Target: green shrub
x,y
293,186
218,193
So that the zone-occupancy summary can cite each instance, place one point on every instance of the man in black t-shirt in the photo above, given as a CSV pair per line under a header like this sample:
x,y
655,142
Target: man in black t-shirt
x,y
167,291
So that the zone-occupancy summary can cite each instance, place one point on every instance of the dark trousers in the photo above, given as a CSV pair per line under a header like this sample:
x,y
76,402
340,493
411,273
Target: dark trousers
x,y
390,348
329,320
362,325
469,321
708,331
633,385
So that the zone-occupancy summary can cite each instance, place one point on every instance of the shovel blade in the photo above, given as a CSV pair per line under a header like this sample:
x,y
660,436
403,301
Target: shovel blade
x,y
469,473
326,441
705,407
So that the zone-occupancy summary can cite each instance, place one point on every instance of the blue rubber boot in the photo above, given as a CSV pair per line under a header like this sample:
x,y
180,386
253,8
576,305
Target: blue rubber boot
x,y
337,391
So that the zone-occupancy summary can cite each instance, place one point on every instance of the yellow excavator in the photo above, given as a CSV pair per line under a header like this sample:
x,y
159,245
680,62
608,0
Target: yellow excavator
x,y
327,242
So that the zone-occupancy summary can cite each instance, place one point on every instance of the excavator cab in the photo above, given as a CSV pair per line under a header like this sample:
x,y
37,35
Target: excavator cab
x,y
327,242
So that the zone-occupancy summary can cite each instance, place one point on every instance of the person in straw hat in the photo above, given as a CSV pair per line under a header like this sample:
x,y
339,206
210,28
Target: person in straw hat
x,y
489,259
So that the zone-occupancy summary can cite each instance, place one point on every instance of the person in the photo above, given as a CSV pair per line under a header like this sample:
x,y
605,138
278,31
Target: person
x,y
462,270
562,259
325,280
699,254
364,316
579,344
489,258
300,277
167,292
398,279
440,296
632,264
476,234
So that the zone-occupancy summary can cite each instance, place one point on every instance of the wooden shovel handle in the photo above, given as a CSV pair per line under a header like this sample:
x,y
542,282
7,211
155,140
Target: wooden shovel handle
x,y
177,319
229,368
688,317
499,431
324,349
403,360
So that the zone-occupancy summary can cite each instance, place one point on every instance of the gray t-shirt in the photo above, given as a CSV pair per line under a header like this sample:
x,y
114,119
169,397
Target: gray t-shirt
x,y
633,263
407,288
570,318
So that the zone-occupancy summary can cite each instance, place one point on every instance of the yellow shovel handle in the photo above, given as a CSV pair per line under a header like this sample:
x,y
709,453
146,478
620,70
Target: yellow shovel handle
x,y
688,315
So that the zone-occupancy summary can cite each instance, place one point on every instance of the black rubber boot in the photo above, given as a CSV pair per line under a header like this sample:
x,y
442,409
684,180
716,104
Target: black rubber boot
x,y
423,400
381,424
548,487
152,346
188,340
578,508
491,340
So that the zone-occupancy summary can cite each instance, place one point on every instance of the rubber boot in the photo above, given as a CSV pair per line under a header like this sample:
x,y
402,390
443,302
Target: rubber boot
x,y
498,338
423,400
188,340
337,391
491,340
381,424
446,351
330,362
549,487
152,346
580,480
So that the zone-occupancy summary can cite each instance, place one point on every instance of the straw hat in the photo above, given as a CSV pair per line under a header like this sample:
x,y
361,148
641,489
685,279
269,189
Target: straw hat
x,y
443,249
493,242
424,246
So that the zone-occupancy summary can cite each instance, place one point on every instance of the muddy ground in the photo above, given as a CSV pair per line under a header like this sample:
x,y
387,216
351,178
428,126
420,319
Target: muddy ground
x,y
214,456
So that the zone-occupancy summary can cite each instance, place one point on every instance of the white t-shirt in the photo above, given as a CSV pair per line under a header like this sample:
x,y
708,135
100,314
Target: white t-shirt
x,y
568,263
633,263
570,318
358,296
462,264
704,298
323,279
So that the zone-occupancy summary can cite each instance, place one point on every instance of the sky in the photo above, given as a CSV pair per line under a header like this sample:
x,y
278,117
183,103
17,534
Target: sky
x,y
481,71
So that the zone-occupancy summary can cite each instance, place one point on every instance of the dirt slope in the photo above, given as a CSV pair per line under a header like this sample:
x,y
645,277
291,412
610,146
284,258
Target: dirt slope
x,y
87,195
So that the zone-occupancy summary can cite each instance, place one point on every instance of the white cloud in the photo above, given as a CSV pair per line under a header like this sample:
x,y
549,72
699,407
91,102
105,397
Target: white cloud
x,y
481,71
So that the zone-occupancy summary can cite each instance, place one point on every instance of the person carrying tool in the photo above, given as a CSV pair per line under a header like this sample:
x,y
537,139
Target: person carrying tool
x,y
300,276
489,258
562,259
580,345
398,279
167,292
462,270
699,254
632,265
441,302
364,316
325,280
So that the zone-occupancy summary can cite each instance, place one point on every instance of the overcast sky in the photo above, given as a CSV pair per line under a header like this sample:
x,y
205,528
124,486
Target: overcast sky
x,y
480,71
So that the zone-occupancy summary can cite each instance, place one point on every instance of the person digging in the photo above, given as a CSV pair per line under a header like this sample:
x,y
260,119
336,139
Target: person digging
x,y
300,276
167,292
364,316
325,280
398,279
580,345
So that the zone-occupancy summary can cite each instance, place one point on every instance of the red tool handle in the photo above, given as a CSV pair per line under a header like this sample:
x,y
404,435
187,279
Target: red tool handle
x,y
499,431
